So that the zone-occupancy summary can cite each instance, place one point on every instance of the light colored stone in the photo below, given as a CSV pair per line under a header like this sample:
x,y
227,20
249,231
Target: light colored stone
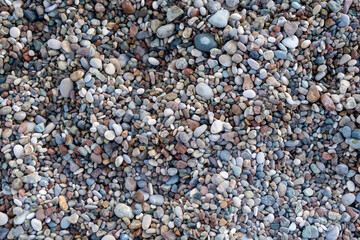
x,y
36,224
18,150
66,86
249,93
203,90
110,69
54,44
291,42
217,126
109,135
146,221
14,32
220,18
3,219
121,211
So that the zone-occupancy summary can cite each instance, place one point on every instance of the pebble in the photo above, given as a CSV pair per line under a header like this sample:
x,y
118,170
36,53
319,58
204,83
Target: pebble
x,y
3,219
123,211
108,237
146,221
36,224
249,93
165,31
18,151
205,42
14,32
220,18
291,42
310,232
203,90
54,44
217,126
66,86
348,199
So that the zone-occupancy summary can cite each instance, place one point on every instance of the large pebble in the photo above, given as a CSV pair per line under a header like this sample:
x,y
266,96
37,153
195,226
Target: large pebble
x,y
54,44
123,211
203,90
220,18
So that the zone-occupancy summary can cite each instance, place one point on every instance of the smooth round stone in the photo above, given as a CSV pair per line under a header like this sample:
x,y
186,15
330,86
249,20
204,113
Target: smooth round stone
x,y
110,69
249,93
146,221
213,6
109,135
342,169
165,31
123,211
108,237
220,18
96,63
268,55
310,232
253,64
350,186
332,232
54,44
153,61
348,199
3,219
64,223
354,143
36,224
291,42
18,151
203,90
225,155
19,116
205,42
66,86
305,44
346,131
14,32
225,60
344,59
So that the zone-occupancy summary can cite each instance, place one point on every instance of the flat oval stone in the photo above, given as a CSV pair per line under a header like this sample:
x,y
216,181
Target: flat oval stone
x,y
66,86
203,90
205,42
54,44
165,31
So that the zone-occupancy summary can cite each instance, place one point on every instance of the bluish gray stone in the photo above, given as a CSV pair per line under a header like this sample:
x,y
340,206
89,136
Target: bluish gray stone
x,y
268,200
310,232
344,21
342,169
156,200
346,131
220,18
354,143
225,155
334,6
332,232
205,42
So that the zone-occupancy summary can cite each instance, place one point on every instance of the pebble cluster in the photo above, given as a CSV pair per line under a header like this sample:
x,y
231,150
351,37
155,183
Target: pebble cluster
x,y
187,119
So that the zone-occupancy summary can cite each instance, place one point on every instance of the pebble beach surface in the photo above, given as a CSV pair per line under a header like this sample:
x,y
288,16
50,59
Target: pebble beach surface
x,y
188,119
